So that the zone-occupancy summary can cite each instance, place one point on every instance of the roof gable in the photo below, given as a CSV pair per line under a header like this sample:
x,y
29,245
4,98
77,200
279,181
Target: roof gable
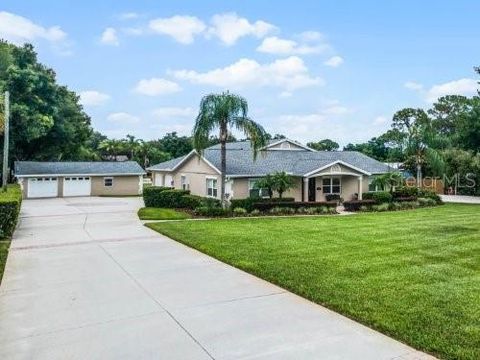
x,y
287,145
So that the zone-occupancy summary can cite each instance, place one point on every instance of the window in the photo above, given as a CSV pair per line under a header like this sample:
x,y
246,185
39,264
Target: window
x,y
212,187
255,191
331,185
107,181
183,182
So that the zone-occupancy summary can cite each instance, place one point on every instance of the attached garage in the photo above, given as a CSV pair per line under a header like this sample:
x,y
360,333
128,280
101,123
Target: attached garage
x,y
65,179
42,187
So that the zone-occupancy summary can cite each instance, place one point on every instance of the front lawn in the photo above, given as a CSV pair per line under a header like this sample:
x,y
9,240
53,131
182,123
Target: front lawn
x,y
413,275
150,213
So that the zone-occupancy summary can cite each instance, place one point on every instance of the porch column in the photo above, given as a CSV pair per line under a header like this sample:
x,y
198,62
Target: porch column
x,y
163,180
305,189
360,187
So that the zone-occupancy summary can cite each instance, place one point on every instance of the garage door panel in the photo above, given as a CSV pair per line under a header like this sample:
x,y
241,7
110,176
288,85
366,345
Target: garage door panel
x,y
77,186
42,187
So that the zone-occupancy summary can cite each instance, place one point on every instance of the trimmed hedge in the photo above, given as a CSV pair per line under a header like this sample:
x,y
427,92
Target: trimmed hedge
x,y
167,197
355,205
267,206
247,203
378,196
151,195
10,203
211,211
332,197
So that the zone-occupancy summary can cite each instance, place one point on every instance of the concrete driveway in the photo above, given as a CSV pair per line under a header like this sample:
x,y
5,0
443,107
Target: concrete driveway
x,y
85,280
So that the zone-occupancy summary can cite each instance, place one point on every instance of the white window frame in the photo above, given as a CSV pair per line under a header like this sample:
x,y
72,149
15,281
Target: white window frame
x,y
262,193
184,185
108,178
214,188
330,186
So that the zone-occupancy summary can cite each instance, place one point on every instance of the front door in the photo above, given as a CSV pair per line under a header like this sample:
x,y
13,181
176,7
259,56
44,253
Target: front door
x,y
312,189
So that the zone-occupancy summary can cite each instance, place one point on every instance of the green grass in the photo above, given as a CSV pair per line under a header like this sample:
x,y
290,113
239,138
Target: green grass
x,y
413,275
149,213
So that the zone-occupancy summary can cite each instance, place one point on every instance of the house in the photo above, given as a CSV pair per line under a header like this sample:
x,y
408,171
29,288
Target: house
x,y
60,179
316,173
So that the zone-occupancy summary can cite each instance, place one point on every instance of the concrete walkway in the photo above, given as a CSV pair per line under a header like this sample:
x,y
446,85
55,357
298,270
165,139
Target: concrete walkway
x,y
463,199
85,280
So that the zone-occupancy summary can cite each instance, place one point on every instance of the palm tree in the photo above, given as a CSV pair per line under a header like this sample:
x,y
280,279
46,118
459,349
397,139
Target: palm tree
x,y
223,112
388,181
282,182
111,147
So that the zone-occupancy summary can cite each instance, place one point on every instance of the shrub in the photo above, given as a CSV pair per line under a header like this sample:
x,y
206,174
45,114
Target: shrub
x,y
287,210
379,196
275,210
383,207
211,211
363,208
429,194
255,212
405,192
396,206
355,205
152,193
311,210
266,206
331,210
332,197
190,202
211,202
248,203
239,211
10,203
426,202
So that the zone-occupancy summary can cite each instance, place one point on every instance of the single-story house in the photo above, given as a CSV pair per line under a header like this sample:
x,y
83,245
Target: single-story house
x,y
40,179
316,173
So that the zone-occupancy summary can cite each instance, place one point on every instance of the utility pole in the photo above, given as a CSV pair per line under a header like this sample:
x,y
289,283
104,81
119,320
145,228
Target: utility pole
x,y
6,140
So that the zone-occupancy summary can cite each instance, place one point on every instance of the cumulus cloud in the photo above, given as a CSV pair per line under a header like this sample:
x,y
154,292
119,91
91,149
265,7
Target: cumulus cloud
x,y
289,74
173,112
334,61
229,27
465,86
412,85
123,118
109,37
182,28
279,46
93,98
18,30
156,86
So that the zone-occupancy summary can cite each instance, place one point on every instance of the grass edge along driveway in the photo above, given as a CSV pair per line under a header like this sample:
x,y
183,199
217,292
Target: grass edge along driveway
x,y
413,275
151,213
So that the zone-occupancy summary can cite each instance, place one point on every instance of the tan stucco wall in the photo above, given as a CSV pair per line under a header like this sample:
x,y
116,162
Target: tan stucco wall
x,y
349,187
122,185
240,189
196,172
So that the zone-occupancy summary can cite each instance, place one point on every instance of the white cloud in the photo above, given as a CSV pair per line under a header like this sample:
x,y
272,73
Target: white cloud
x,y
467,87
18,30
289,74
156,86
229,27
109,37
123,118
173,112
380,120
311,36
182,28
93,98
128,16
412,85
334,61
276,45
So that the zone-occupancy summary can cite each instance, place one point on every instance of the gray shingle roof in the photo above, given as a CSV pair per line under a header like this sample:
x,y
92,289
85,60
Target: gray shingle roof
x,y
25,168
240,160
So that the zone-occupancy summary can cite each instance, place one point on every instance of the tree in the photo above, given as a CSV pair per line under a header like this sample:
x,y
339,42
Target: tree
x,y
175,145
419,139
147,153
267,183
224,111
388,181
324,145
282,182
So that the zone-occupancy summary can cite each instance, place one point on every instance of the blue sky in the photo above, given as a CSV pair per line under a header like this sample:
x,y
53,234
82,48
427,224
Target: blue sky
x,y
309,69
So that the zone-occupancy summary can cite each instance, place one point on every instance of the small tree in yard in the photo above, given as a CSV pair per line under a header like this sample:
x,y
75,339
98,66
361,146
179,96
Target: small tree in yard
x,y
282,182
267,183
388,180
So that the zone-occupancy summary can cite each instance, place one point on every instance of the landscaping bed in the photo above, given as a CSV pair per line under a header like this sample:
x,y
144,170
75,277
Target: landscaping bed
x,y
10,202
413,275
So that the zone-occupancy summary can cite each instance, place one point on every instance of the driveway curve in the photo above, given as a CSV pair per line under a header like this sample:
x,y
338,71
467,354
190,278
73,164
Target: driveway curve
x,y
85,280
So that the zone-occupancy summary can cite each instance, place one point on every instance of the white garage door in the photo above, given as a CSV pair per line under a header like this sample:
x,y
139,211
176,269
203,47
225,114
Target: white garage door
x,y
77,186
42,187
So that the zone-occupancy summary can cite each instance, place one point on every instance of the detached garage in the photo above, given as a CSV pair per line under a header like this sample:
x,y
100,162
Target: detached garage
x,y
94,178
